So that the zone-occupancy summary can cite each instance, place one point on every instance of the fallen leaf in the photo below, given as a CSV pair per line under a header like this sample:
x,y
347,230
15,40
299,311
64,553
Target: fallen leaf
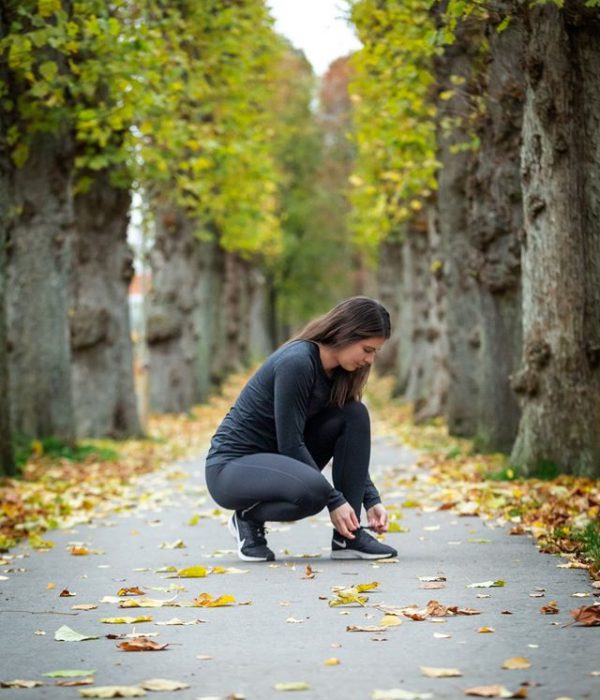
x,y
75,682
486,630
70,673
432,585
332,662
19,683
487,584
390,621
432,579
347,596
580,595
309,572
66,594
293,620
191,572
587,615
204,657
66,634
178,544
366,628
134,590
141,644
145,603
177,621
159,684
399,694
51,586
299,685
550,609
205,600
362,587
489,691
432,672
126,620
439,635
40,633
227,570
79,551
113,691
84,606
516,663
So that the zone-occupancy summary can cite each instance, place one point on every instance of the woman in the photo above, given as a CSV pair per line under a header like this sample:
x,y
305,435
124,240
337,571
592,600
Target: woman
x,y
300,409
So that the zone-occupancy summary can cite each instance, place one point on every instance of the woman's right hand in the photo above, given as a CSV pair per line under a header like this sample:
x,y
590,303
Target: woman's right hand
x,y
344,520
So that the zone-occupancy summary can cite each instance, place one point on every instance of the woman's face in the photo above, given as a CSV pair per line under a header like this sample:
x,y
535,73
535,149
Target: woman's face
x,y
357,355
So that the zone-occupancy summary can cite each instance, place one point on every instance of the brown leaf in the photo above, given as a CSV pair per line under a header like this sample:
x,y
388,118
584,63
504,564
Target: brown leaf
x,y
493,691
75,682
309,572
550,609
587,615
141,644
79,551
66,594
516,663
134,590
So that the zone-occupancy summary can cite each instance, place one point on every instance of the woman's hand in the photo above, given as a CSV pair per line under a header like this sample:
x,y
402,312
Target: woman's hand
x,y
344,520
378,518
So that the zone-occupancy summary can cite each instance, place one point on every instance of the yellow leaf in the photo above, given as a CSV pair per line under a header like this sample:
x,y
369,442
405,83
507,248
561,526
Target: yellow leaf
x,y
485,630
390,621
191,572
205,600
432,672
163,684
126,620
516,663
300,685
332,662
361,587
113,691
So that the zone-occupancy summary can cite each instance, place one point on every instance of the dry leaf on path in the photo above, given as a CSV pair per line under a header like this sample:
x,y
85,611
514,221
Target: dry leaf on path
x,y
141,644
550,609
310,573
492,691
113,691
516,663
205,600
130,620
134,590
70,673
498,583
399,694
19,683
433,672
486,630
74,683
190,572
366,628
65,593
66,634
297,685
348,596
586,615
84,606
332,662
160,684
177,621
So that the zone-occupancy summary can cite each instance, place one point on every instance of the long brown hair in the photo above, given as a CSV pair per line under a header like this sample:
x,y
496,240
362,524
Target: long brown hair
x,y
349,321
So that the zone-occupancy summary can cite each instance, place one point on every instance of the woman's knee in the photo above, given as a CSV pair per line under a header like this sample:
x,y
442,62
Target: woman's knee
x,y
356,411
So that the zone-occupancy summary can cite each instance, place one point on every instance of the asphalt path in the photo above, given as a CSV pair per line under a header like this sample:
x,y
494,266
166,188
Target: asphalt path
x,y
281,628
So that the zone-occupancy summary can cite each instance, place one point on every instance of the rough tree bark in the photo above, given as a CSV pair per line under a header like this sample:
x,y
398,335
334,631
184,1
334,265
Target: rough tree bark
x,y
389,285
175,262
496,224
39,289
7,465
559,384
103,386
427,380
462,302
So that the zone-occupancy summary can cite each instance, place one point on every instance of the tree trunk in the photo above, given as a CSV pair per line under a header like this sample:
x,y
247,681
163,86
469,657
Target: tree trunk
x,y
7,464
184,314
389,284
496,225
103,386
462,298
427,381
559,384
39,291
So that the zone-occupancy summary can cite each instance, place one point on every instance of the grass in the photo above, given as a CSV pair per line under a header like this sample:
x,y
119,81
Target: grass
x,y
589,538
56,448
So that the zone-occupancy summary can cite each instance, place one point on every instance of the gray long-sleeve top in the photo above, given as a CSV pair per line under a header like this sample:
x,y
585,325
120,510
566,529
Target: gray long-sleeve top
x,y
271,412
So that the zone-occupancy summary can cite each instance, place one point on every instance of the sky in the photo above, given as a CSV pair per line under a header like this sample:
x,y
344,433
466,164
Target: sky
x,y
317,27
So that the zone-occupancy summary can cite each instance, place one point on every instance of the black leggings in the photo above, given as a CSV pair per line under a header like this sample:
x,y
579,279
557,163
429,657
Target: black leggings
x,y
281,488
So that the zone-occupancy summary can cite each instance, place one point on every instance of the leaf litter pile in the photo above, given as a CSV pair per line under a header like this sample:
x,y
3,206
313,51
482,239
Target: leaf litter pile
x,y
57,493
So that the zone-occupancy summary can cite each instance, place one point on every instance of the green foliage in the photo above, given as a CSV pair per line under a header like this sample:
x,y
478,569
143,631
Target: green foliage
x,y
394,114
589,537
169,96
544,471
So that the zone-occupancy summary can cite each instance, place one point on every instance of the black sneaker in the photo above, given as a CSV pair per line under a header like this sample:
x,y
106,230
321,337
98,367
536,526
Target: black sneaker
x,y
250,536
363,546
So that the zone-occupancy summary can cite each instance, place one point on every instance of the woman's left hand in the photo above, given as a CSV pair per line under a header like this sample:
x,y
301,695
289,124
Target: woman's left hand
x,y
378,518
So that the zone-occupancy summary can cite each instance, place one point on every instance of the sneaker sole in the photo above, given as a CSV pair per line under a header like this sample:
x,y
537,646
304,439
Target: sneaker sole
x,y
354,554
244,557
